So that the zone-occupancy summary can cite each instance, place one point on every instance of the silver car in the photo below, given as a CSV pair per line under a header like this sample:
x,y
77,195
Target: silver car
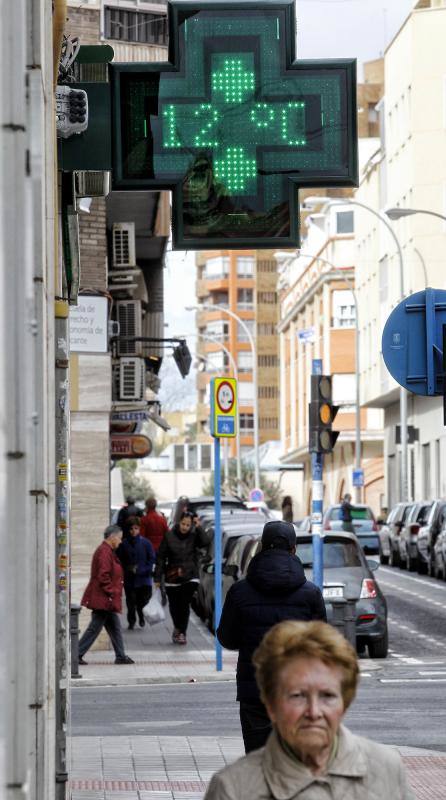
x,y
408,538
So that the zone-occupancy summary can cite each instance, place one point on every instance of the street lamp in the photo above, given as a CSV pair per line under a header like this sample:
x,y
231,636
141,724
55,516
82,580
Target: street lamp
x,y
311,202
216,307
214,340
397,213
357,371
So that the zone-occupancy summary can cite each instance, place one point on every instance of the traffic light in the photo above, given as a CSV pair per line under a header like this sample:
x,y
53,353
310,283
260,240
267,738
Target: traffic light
x,y
321,415
182,358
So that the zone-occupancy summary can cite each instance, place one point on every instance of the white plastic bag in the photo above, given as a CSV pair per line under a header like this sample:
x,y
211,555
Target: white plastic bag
x,y
154,611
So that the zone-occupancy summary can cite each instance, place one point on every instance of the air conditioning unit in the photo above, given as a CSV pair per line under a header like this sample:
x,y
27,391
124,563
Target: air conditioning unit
x,y
123,234
91,183
132,385
128,314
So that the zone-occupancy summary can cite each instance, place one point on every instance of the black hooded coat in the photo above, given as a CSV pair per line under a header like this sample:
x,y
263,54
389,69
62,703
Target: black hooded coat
x,y
275,589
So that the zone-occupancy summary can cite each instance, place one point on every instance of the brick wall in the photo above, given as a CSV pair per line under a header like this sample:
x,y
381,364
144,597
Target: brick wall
x,y
83,22
93,246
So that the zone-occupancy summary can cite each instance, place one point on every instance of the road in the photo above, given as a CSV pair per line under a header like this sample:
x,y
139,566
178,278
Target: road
x,y
400,699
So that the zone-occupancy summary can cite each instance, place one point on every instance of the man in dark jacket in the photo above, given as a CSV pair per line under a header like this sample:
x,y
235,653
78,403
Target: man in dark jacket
x,y
137,557
103,596
275,589
127,511
346,514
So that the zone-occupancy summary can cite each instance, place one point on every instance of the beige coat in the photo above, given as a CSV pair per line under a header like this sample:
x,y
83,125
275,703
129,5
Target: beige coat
x,y
361,770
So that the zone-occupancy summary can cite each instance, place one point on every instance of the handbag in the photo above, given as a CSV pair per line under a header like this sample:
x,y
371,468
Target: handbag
x,y
173,574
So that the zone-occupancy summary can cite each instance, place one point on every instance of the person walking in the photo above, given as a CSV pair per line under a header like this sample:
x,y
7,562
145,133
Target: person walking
x,y
308,675
103,596
129,510
287,509
153,524
177,565
346,514
275,589
137,557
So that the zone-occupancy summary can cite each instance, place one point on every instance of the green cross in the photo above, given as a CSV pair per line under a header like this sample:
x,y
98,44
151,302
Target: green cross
x,y
234,125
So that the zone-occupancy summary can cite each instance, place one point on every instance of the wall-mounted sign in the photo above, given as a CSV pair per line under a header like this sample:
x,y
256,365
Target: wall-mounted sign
x,y
307,335
124,446
89,325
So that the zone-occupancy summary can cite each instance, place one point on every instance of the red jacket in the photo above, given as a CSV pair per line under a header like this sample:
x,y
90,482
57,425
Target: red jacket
x,y
104,590
153,527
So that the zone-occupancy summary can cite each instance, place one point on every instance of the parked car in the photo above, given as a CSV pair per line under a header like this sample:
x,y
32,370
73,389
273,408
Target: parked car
x,y
439,557
347,573
364,524
415,519
428,535
304,524
390,532
199,505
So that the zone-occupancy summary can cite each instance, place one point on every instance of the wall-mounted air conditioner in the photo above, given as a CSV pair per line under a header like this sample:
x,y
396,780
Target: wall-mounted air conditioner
x,y
132,385
128,314
124,255
91,183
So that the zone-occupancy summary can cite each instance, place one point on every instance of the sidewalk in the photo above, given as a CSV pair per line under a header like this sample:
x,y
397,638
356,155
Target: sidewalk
x,y
179,767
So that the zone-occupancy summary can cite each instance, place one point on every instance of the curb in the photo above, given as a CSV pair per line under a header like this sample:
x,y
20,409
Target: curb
x,y
139,681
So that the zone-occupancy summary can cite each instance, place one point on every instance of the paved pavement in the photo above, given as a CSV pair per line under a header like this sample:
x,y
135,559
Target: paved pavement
x,y
155,767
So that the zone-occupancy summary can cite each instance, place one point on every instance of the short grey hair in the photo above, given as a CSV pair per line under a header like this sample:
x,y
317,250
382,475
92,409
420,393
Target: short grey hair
x,y
112,530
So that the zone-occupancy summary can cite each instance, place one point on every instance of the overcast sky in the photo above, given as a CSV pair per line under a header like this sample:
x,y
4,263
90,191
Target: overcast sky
x,y
326,29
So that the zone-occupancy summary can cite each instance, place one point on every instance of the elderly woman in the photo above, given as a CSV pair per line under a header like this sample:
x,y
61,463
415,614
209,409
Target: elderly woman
x,y
307,675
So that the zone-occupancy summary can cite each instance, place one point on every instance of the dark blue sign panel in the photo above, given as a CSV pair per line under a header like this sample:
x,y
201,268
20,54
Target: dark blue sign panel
x,y
225,426
358,477
412,342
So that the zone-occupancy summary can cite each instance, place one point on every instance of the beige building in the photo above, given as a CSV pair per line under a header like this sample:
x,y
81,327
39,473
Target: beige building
x,y
245,282
407,170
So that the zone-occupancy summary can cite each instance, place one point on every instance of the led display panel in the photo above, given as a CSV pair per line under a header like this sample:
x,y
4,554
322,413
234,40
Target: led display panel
x,y
233,124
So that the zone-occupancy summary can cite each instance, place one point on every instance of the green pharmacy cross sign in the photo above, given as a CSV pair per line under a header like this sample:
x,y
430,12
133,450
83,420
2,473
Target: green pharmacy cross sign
x,y
233,124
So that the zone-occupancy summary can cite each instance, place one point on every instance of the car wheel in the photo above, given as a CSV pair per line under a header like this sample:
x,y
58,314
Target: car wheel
x,y
402,563
383,559
379,648
412,564
422,567
393,558
436,570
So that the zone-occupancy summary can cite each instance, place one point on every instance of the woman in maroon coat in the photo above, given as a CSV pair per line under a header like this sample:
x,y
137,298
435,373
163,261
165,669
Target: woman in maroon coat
x,y
104,596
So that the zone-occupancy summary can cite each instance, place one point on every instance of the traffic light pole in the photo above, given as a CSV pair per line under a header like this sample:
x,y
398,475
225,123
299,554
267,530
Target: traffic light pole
x,y
317,466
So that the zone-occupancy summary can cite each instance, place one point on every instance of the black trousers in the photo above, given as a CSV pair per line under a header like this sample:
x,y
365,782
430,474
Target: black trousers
x,y
256,725
179,598
112,624
136,598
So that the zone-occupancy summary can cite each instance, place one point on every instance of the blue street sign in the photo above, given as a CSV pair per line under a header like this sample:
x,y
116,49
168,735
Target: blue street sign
x,y
256,496
412,342
358,477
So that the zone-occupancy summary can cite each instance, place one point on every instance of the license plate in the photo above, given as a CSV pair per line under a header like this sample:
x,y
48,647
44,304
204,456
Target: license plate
x,y
330,592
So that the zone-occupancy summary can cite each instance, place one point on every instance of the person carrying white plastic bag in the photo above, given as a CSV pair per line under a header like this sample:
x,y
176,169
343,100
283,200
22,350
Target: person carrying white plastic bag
x,y
154,611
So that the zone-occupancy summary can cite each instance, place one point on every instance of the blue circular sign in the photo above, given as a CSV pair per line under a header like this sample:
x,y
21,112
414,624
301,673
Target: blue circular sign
x,y
256,496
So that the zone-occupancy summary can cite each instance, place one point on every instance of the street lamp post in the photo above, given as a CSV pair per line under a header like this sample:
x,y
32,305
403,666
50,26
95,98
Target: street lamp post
x,y
328,202
397,213
234,368
212,307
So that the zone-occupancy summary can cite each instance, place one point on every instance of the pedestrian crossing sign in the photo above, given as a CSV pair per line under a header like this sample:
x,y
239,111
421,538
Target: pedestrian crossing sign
x,y
223,408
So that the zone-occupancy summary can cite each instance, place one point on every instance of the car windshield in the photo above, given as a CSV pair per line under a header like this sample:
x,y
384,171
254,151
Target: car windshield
x,y
336,554
357,513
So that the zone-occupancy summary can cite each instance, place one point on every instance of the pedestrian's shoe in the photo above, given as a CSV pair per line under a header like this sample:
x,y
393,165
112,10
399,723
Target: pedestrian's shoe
x,y
175,636
142,622
82,662
182,638
131,627
124,660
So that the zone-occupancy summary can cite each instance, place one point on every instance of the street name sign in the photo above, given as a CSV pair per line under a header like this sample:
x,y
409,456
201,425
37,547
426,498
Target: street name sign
x,y
223,408
413,342
233,124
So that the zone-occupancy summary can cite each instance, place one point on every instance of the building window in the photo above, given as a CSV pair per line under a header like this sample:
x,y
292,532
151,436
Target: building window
x,y
135,26
216,268
344,309
266,329
178,454
268,392
219,299
245,299
246,392
241,333
344,222
267,266
246,423
267,297
192,457
245,266
269,423
244,361
268,361
218,330
205,456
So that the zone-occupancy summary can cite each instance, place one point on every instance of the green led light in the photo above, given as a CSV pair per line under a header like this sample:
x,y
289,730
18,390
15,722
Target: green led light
x,y
236,169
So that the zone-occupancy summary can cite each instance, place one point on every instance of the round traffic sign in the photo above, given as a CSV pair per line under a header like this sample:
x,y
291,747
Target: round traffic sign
x,y
225,397
256,496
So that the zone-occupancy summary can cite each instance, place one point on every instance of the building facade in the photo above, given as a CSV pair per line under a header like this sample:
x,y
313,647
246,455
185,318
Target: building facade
x,y
409,171
245,283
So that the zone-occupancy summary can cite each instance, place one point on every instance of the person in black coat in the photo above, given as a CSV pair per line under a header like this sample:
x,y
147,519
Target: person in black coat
x,y
275,589
137,557
126,512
